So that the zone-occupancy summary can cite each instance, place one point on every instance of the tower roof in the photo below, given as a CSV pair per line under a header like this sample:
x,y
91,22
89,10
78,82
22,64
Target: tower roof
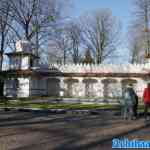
x,y
24,46
13,54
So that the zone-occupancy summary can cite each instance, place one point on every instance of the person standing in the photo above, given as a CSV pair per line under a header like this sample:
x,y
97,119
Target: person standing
x,y
146,99
129,102
135,106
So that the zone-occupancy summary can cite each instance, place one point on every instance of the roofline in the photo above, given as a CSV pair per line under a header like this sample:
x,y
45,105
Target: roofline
x,y
20,54
31,72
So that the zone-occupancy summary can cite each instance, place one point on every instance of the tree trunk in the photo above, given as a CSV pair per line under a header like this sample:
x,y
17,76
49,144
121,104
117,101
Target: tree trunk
x,y
37,44
64,59
27,32
98,59
2,50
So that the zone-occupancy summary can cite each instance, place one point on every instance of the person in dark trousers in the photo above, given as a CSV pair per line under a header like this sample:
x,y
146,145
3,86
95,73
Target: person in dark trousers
x,y
135,106
129,102
146,99
135,101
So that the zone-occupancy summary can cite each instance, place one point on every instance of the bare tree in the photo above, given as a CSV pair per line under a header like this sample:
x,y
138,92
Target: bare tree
x,y
74,32
101,30
136,43
35,19
136,50
143,19
60,46
139,30
67,42
5,21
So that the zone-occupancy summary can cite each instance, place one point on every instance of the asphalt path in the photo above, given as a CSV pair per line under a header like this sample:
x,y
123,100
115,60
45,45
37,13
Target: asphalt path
x,y
46,131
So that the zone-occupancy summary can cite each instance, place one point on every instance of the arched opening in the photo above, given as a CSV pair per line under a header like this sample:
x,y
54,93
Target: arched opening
x,y
89,87
71,87
53,85
110,88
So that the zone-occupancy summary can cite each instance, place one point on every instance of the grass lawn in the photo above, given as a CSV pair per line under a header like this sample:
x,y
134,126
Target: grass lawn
x,y
74,106
60,106
28,104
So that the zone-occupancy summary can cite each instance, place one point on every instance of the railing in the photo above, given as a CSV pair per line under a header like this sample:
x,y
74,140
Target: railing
x,y
94,68
102,68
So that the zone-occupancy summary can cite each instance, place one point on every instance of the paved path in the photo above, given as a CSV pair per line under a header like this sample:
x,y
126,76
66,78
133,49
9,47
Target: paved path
x,y
142,134
44,131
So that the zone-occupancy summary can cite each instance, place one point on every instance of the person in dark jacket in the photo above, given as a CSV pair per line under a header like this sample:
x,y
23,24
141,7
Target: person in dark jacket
x,y
129,102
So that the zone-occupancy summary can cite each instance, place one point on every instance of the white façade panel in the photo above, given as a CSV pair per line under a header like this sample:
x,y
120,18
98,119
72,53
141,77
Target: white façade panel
x,y
25,63
23,90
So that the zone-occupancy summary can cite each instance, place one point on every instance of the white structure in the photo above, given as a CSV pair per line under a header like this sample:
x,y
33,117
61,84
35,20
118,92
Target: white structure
x,y
26,78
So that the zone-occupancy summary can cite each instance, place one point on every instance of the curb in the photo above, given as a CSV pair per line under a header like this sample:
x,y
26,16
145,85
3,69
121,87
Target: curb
x,y
38,110
59,111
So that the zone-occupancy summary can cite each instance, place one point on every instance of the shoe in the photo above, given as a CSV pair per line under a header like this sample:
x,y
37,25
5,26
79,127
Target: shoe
x,y
125,118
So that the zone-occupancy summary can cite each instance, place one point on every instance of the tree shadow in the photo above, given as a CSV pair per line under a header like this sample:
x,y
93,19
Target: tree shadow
x,y
17,116
63,132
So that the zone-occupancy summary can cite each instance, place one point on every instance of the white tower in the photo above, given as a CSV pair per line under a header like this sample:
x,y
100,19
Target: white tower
x,y
21,62
23,58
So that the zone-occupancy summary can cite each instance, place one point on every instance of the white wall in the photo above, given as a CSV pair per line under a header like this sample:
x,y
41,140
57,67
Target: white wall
x,y
23,90
47,86
39,86
25,63
114,89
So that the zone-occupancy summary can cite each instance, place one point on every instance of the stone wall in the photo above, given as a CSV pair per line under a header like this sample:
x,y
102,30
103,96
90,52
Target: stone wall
x,y
98,80
105,82
93,87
